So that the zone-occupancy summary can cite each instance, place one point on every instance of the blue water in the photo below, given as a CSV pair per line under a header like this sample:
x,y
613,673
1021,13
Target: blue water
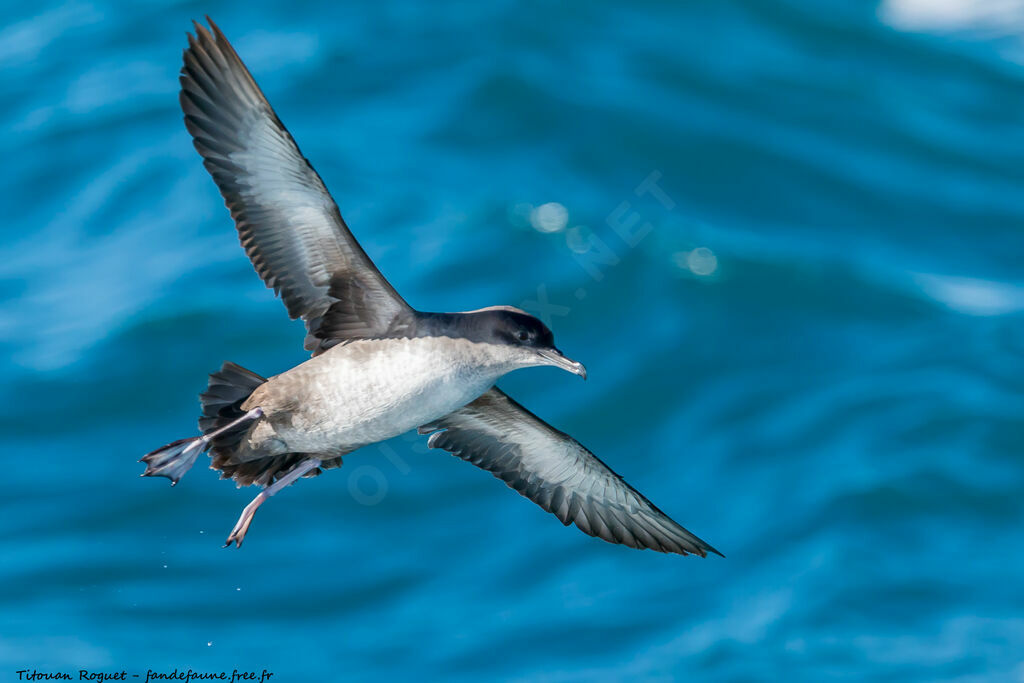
x,y
785,237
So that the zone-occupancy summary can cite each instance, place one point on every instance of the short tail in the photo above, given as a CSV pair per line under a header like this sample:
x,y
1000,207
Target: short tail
x,y
223,423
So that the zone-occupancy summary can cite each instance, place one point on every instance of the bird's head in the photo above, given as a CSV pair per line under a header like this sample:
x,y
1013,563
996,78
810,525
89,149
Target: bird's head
x,y
526,338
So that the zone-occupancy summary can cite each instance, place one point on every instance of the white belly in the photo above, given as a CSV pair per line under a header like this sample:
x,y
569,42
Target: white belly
x,y
367,391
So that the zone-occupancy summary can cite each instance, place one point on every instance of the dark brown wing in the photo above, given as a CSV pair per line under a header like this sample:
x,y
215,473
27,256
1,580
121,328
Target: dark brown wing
x,y
553,470
287,221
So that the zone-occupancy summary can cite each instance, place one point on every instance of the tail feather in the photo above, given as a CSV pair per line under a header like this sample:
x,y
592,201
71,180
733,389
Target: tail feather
x,y
224,423
227,390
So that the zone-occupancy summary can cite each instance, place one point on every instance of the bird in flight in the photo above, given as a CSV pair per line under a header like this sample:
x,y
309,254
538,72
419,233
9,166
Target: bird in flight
x,y
379,368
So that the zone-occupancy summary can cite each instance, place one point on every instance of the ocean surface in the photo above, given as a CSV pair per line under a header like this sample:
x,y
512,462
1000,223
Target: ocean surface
x,y
785,237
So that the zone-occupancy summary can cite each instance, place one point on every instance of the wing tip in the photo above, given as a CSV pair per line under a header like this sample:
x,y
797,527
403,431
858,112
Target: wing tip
x,y
702,550
690,544
218,34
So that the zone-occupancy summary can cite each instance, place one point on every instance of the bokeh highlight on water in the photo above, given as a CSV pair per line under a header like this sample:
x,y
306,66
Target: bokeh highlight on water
x,y
807,348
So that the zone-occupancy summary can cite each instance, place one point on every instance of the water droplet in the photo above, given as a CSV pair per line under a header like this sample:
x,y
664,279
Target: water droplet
x,y
702,261
550,217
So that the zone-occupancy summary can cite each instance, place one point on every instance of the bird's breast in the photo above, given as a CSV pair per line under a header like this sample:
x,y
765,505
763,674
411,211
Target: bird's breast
x,y
367,391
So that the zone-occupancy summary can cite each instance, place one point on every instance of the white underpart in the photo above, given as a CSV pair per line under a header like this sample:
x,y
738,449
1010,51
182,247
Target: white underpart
x,y
367,391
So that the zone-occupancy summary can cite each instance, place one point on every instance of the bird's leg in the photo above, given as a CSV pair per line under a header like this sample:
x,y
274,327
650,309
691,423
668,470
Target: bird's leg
x,y
242,526
254,414
176,458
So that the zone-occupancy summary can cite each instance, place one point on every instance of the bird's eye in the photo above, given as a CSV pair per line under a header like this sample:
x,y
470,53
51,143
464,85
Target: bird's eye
x,y
523,335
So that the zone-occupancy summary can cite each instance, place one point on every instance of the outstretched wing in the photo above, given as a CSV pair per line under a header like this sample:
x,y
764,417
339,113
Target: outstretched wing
x,y
553,470
287,221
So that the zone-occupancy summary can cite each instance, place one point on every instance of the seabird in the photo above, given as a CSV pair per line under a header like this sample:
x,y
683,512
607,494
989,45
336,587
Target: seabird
x,y
379,367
